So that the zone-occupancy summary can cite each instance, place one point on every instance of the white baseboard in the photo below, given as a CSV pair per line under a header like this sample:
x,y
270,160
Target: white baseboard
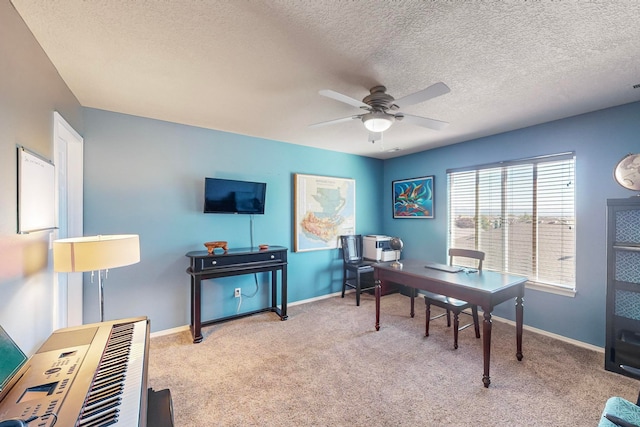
x,y
305,301
187,327
170,331
497,318
551,335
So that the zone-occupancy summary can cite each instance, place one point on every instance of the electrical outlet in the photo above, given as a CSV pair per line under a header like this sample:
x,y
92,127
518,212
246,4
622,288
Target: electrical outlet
x,y
236,294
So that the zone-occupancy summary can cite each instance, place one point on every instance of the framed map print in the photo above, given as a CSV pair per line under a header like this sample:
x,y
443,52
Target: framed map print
x,y
413,198
325,208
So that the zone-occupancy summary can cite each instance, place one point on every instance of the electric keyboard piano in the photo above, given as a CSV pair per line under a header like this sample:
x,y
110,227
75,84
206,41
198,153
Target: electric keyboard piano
x,y
88,376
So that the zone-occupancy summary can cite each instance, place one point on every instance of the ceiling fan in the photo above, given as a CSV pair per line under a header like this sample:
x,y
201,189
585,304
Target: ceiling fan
x,y
380,109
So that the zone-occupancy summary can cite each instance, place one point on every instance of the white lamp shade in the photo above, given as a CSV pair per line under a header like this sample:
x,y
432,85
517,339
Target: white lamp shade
x,y
92,253
377,121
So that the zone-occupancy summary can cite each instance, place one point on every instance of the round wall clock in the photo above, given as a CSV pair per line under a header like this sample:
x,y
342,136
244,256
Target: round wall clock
x,y
627,172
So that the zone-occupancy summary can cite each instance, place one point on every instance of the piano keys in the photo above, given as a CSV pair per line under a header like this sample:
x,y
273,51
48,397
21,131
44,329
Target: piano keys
x,y
88,376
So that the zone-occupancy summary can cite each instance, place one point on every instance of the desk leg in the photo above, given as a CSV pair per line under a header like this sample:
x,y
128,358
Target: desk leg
x,y
274,289
284,293
413,303
196,305
378,292
519,321
486,345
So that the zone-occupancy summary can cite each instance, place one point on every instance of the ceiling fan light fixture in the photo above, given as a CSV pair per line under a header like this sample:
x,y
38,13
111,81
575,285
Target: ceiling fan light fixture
x,y
377,121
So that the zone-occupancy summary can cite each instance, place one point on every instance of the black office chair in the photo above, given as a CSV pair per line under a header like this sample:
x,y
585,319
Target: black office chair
x,y
452,305
355,271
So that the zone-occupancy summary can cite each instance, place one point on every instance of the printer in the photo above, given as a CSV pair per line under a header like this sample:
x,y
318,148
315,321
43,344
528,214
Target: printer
x,y
377,248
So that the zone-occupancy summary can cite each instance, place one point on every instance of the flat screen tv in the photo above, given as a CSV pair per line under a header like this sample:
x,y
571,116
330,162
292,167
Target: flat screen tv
x,y
234,197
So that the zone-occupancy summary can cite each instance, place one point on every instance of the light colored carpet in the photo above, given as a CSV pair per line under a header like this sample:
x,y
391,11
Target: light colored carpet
x,y
327,366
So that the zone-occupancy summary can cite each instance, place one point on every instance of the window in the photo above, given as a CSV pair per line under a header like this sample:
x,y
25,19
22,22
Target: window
x,y
521,214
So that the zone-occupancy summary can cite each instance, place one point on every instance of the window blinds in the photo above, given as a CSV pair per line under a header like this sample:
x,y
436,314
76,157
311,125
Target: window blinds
x,y
521,214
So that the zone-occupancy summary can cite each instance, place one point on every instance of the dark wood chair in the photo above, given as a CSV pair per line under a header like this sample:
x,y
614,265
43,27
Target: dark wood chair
x,y
356,272
452,305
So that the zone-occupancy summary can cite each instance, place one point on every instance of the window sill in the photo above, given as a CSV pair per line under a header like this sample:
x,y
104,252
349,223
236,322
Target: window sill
x,y
557,290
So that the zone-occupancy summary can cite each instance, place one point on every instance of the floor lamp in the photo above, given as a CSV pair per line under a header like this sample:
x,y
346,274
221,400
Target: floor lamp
x,y
96,253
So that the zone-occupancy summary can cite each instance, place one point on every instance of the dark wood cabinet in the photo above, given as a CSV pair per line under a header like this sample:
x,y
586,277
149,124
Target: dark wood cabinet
x,y
623,284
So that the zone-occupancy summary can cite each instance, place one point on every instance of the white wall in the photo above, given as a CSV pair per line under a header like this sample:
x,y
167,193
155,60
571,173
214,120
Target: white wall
x,y
31,90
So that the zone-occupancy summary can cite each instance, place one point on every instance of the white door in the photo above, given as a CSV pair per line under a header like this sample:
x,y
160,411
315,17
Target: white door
x,y
68,152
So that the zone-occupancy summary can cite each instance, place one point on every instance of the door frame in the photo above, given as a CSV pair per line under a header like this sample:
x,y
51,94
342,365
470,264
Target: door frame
x,y
68,158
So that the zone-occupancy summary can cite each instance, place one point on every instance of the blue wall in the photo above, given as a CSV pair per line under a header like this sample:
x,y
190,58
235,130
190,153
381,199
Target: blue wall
x,y
146,177
600,140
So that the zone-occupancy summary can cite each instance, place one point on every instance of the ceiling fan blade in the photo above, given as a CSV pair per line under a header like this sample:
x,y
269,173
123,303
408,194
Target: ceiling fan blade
x,y
422,121
432,91
343,98
334,121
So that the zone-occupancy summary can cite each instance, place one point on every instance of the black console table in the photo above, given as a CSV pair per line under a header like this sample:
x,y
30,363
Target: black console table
x,y
235,262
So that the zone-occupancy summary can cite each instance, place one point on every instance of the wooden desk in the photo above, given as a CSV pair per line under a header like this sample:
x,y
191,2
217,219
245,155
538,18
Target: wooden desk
x,y
486,289
234,262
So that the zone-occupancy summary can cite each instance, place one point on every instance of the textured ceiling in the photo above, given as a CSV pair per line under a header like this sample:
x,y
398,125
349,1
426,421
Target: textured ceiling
x,y
255,67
